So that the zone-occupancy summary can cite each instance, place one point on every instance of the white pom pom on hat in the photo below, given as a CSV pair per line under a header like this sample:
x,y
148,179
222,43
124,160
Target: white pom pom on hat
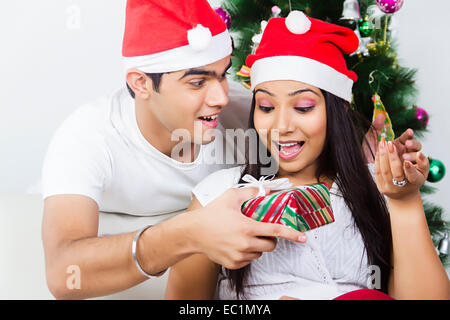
x,y
297,22
199,38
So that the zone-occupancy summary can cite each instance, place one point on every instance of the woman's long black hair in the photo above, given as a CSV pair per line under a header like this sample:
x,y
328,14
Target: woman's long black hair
x,y
343,161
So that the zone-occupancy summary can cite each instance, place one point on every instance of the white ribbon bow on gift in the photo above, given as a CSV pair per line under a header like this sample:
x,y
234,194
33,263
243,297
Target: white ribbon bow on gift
x,y
264,182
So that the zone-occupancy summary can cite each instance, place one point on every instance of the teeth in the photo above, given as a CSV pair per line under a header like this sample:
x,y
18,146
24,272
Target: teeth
x,y
211,118
282,145
288,144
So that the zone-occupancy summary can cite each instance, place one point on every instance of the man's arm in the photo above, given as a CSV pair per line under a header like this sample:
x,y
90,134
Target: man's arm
x,y
193,278
106,266
219,230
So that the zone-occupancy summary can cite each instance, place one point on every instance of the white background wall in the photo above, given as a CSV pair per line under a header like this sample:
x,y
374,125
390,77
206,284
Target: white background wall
x,y
58,54
424,44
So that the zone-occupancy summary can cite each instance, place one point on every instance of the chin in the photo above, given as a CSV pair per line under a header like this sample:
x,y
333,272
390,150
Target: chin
x,y
295,165
292,167
208,136
204,139
208,141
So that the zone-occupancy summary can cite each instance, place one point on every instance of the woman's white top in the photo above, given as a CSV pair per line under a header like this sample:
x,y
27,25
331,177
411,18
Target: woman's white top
x,y
332,262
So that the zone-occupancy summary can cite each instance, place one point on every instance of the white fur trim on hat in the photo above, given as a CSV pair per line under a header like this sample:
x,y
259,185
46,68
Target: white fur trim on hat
x,y
199,38
304,70
184,57
297,22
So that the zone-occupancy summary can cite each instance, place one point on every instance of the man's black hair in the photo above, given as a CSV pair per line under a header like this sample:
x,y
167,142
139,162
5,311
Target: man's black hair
x,y
156,79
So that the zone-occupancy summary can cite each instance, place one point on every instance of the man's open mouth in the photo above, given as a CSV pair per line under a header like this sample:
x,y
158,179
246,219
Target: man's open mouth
x,y
209,121
208,118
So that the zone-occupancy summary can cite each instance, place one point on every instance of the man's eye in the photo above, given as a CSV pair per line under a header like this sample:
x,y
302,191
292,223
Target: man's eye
x,y
224,76
265,109
198,83
304,109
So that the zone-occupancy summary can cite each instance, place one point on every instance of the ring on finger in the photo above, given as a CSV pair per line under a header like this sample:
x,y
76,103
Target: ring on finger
x,y
401,183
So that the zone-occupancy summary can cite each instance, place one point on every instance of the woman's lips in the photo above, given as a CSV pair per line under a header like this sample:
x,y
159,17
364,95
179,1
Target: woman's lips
x,y
289,151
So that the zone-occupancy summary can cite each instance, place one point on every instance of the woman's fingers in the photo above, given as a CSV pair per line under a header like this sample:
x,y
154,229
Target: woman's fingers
x,y
385,167
423,164
395,162
412,150
413,145
411,172
405,136
377,169
418,172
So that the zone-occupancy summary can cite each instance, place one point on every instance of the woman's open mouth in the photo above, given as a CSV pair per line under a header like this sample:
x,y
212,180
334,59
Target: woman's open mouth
x,y
288,150
209,121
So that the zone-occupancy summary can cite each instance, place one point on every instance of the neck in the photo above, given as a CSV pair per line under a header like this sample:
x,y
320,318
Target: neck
x,y
306,176
160,137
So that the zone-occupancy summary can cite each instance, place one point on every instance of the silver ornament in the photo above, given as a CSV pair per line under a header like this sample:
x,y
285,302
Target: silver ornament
x,y
443,245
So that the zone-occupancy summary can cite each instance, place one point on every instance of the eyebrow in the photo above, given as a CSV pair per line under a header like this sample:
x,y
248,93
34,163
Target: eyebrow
x,y
203,72
265,91
290,94
301,91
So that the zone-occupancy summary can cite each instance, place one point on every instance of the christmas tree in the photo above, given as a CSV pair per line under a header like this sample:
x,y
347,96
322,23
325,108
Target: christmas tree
x,y
375,62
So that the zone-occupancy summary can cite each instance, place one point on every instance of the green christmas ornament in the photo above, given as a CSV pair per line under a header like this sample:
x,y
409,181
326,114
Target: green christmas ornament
x,y
437,170
366,28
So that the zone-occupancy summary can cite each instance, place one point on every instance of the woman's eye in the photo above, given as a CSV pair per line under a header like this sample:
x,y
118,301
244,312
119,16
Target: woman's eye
x,y
265,109
304,109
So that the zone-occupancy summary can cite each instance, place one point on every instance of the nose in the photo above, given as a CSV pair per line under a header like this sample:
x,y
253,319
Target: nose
x,y
283,121
217,94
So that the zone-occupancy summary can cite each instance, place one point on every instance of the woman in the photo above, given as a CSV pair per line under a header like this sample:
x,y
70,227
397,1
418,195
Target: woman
x,y
302,90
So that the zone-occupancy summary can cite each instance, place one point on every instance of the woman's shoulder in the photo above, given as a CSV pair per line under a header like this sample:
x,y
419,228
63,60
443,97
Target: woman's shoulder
x,y
217,183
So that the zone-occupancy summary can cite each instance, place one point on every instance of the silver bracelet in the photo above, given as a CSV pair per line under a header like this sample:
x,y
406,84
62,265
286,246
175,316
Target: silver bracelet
x,y
133,251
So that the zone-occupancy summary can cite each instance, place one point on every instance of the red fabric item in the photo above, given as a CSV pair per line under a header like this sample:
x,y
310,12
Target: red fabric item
x,y
153,26
324,42
364,294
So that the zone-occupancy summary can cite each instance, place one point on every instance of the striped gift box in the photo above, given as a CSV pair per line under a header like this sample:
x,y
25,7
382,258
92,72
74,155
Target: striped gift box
x,y
302,208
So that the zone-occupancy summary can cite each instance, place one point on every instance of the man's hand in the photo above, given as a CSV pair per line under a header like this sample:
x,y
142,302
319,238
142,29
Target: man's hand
x,y
231,239
406,146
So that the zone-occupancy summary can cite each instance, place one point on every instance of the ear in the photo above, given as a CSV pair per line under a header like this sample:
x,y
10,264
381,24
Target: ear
x,y
140,84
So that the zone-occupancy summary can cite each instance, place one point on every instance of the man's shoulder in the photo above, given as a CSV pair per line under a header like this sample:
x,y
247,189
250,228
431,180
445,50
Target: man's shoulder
x,y
96,111
91,119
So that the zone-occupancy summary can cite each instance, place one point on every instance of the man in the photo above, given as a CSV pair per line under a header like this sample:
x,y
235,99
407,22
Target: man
x,y
114,156
110,169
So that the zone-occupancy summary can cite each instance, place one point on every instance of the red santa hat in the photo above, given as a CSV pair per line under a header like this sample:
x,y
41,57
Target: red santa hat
x,y
172,35
307,50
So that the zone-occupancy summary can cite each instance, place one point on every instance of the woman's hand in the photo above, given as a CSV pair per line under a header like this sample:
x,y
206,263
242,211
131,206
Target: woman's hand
x,y
407,147
389,166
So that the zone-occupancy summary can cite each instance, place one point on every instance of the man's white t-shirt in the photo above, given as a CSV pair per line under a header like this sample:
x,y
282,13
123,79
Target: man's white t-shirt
x,y
99,152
